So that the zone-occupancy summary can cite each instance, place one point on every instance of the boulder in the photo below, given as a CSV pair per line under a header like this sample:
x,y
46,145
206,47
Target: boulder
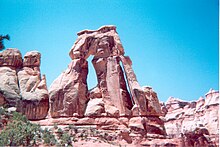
x,y
95,107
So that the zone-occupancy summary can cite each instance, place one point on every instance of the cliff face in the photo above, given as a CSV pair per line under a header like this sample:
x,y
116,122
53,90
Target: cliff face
x,y
195,122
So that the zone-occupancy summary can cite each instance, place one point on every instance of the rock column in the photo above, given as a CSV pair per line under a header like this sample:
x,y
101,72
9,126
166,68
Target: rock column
x,y
138,96
35,98
10,61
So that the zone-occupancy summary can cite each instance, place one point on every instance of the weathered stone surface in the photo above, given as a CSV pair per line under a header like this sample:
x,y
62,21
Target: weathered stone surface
x,y
153,106
9,85
184,117
10,60
116,86
136,123
21,84
35,98
138,96
196,137
118,102
32,59
68,93
95,107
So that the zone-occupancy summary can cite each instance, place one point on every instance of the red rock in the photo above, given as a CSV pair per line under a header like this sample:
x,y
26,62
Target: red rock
x,y
10,60
95,107
186,117
68,93
154,107
136,122
11,57
22,84
116,86
138,96
35,98
106,47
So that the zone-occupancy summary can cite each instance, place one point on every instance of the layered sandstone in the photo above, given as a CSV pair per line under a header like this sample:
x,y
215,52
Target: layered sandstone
x,y
21,84
196,122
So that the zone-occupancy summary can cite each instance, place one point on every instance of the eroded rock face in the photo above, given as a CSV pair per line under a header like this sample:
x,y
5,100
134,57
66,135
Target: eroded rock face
x,y
153,106
10,61
11,58
183,117
21,84
68,93
33,88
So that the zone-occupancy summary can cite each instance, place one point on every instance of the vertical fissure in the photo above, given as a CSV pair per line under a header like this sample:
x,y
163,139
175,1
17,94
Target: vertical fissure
x,y
126,81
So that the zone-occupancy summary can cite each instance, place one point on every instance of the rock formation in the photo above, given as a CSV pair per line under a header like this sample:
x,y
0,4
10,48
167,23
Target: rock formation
x,y
196,122
21,84
68,93
105,46
118,102
10,61
35,99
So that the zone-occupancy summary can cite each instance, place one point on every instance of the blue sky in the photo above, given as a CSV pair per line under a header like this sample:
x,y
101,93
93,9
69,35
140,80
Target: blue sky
x,y
173,44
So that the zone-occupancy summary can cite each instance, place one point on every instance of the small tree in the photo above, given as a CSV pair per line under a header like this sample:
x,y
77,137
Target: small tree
x,y
2,37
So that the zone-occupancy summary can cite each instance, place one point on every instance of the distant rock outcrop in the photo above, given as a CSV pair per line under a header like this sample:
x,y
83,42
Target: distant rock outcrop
x,y
196,122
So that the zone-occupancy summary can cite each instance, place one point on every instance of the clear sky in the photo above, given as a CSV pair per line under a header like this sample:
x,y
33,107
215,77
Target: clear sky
x,y
173,43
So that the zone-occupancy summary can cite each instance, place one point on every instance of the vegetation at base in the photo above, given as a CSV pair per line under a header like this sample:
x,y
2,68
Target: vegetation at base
x,y
18,131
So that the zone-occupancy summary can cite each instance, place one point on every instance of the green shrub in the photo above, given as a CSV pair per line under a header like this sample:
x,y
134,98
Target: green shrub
x,y
21,132
66,140
48,137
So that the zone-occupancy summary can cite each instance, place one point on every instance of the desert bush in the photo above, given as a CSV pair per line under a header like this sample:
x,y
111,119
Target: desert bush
x,y
21,132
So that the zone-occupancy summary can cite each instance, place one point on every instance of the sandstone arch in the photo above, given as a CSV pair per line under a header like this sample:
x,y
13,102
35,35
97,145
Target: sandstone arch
x,y
69,95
